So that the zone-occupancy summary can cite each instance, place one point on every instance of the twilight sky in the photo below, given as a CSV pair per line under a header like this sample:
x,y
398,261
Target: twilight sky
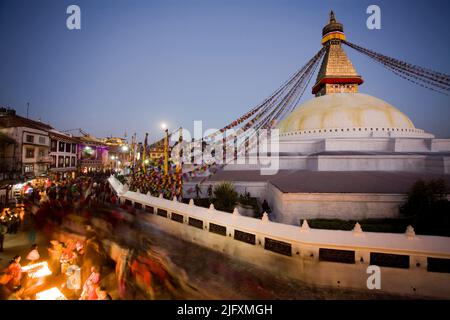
x,y
137,63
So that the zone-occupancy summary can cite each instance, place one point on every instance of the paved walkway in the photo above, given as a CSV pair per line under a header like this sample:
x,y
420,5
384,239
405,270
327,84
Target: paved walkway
x,y
214,275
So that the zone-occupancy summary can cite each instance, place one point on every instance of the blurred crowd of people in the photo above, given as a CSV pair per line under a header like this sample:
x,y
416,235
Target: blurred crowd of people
x,y
153,179
84,261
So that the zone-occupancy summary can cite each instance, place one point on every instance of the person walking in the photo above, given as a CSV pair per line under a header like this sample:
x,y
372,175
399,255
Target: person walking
x,y
265,206
210,191
14,272
33,256
90,286
3,232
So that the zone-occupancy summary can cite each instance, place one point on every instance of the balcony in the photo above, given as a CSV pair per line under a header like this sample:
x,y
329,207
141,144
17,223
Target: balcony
x,y
44,159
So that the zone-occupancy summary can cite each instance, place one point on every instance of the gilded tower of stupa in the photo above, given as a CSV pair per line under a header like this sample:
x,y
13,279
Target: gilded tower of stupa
x,y
337,74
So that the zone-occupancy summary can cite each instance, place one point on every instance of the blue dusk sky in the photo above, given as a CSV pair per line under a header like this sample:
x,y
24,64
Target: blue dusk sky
x,y
137,63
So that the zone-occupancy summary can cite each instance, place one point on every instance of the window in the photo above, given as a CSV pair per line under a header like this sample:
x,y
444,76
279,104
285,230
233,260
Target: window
x,y
30,138
61,146
41,152
41,140
74,148
28,168
60,162
73,163
54,161
53,146
29,153
67,162
68,146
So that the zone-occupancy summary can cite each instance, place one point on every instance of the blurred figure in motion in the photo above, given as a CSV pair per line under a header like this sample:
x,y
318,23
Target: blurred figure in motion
x,y
13,274
33,256
102,294
73,283
90,286
54,253
142,276
3,231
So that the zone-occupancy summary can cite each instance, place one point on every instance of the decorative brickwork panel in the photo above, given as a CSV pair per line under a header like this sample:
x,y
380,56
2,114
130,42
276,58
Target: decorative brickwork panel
x,y
278,246
438,265
333,255
215,228
244,236
196,223
177,217
162,213
389,260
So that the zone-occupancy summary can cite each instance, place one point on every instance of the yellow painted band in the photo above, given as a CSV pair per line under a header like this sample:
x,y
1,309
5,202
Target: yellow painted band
x,y
333,35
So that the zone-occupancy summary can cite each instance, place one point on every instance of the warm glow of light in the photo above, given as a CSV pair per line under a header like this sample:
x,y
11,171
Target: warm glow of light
x,y
34,266
163,126
37,270
146,161
42,272
124,148
50,294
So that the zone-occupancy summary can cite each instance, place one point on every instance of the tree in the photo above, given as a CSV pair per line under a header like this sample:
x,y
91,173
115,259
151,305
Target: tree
x,y
427,202
225,197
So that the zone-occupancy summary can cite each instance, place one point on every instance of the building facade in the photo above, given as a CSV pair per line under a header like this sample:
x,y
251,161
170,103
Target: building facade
x,y
119,153
29,155
63,151
92,154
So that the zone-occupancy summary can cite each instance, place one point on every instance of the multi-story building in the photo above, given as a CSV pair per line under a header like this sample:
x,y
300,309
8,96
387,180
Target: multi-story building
x,y
92,154
63,151
118,151
29,155
8,171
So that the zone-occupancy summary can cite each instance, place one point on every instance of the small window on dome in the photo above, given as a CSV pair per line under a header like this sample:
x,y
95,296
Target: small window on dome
x,y
359,129
342,130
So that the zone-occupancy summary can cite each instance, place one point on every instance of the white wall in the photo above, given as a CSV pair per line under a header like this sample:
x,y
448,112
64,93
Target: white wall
x,y
289,208
440,145
305,244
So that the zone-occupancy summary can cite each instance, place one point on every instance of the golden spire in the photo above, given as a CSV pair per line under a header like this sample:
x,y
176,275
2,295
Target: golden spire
x,y
337,74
